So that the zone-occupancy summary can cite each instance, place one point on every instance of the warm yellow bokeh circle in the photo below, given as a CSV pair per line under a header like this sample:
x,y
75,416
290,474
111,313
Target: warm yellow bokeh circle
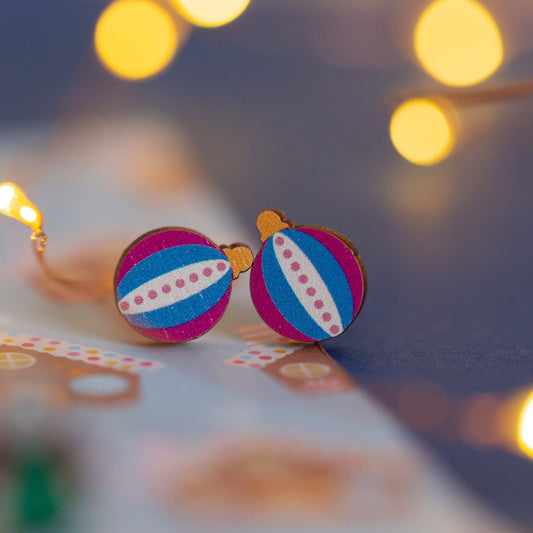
x,y
525,427
135,39
423,131
210,13
458,42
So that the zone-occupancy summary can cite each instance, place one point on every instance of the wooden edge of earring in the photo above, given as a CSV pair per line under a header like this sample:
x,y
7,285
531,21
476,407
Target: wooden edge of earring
x,y
270,221
240,257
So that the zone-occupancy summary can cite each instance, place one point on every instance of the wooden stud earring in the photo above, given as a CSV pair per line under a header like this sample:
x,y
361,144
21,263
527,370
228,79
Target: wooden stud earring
x,y
308,283
174,284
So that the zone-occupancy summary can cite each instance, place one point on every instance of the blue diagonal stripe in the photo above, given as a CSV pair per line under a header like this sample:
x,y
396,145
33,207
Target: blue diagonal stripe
x,y
165,261
330,271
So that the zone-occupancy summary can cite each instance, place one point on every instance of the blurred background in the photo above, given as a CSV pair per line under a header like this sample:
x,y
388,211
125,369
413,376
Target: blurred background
x,y
404,125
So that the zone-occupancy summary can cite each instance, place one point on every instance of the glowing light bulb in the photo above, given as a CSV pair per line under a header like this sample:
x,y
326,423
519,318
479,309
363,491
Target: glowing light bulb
x,y
423,131
28,213
13,203
7,192
458,42
135,39
525,427
210,13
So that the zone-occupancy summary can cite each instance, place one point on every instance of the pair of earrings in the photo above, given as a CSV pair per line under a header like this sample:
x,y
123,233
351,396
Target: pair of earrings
x,y
308,283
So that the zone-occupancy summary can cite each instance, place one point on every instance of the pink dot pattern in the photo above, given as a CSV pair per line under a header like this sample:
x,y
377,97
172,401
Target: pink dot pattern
x,y
264,347
180,283
310,291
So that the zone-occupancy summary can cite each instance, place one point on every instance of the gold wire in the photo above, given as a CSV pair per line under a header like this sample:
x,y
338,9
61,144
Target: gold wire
x,y
472,96
90,288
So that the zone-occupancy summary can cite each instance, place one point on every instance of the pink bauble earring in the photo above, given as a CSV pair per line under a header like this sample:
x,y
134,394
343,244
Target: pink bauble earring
x,y
308,283
174,284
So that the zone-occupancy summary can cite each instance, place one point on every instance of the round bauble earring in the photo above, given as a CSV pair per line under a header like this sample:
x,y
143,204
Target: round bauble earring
x,y
174,284
308,283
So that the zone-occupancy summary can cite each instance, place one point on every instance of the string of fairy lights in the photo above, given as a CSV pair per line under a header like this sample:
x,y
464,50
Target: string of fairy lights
x,y
459,44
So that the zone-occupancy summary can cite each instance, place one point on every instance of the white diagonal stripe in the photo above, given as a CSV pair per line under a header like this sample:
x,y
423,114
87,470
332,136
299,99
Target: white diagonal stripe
x,y
176,294
314,280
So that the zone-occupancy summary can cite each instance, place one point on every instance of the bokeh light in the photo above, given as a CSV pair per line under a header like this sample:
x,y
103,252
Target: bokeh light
x,y
7,193
422,130
525,427
28,214
458,42
210,13
135,39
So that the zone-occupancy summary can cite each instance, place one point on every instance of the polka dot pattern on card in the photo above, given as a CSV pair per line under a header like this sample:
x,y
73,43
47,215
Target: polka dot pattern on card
x,y
263,347
89,355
